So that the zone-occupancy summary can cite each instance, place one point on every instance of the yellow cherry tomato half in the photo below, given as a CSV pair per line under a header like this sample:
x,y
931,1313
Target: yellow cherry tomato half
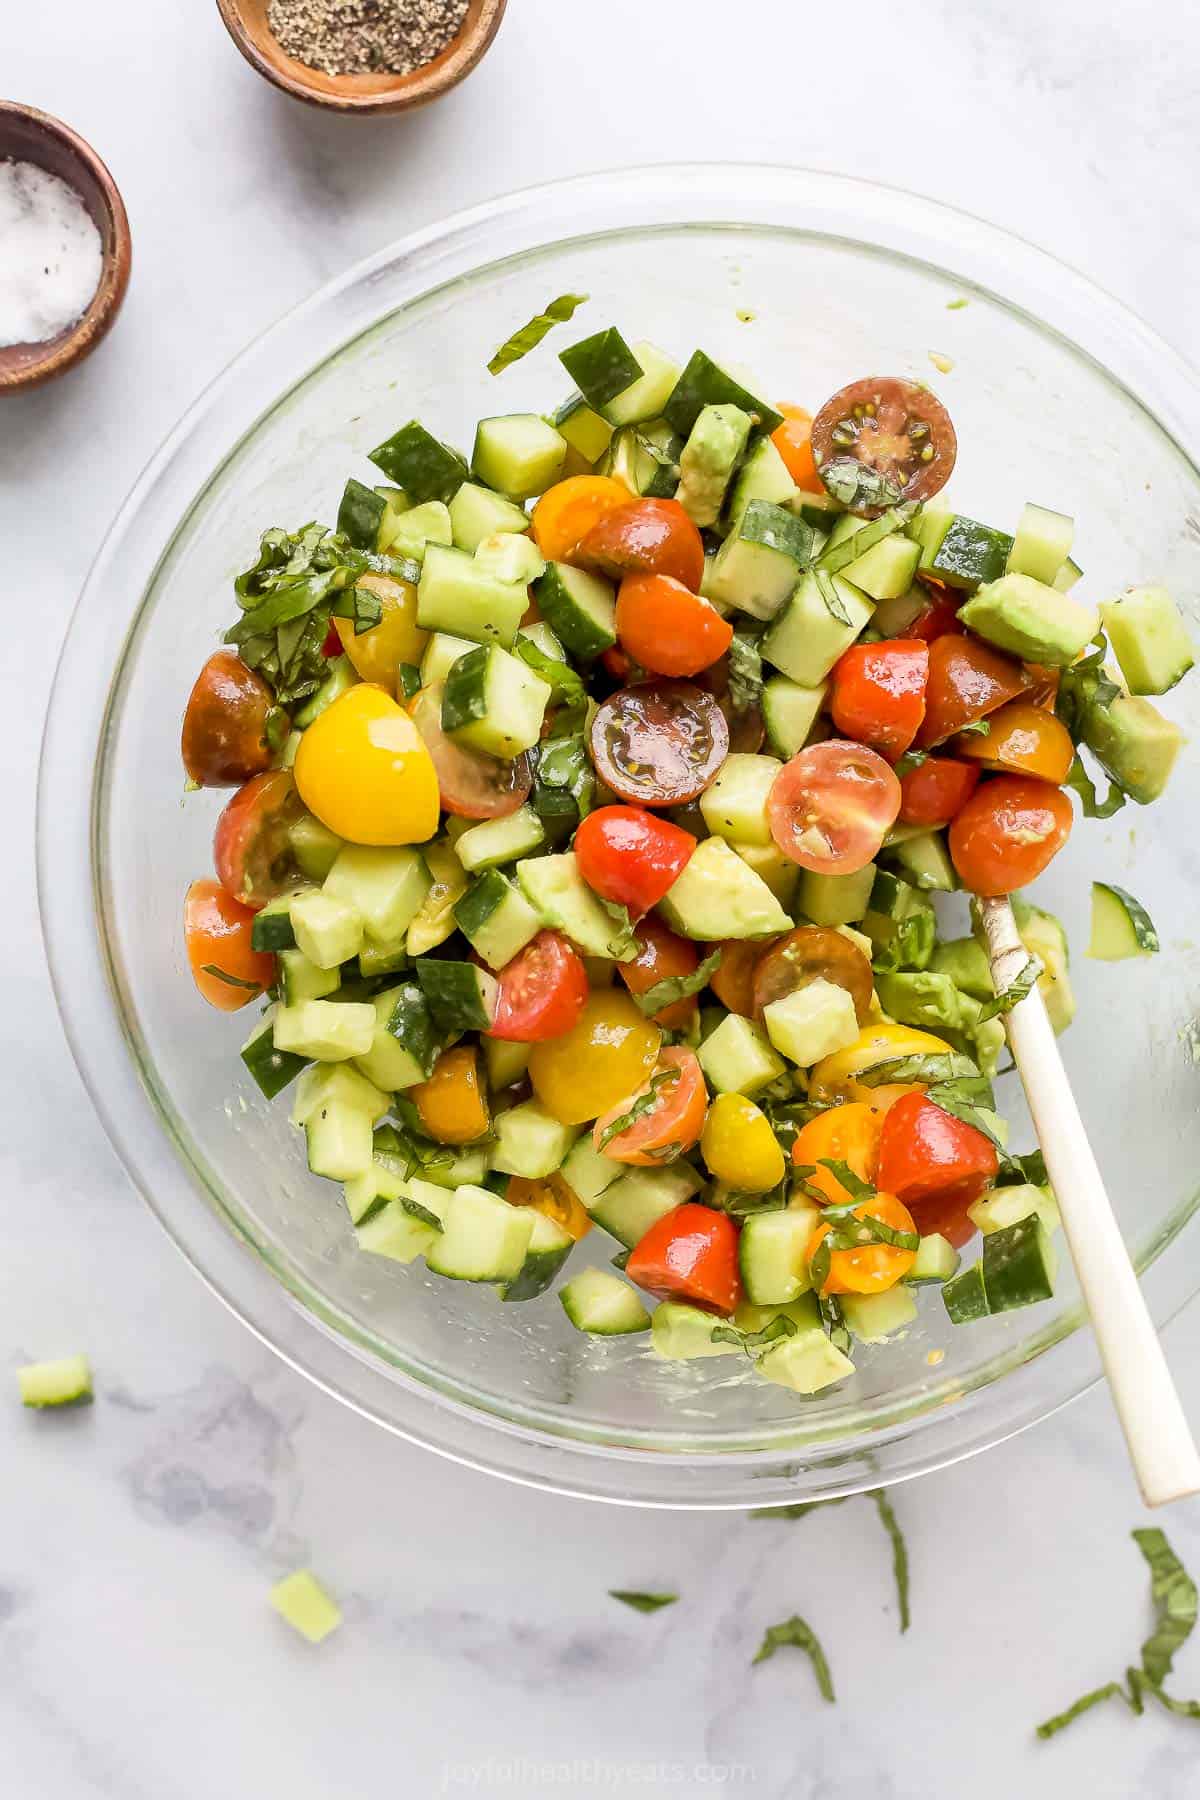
x,y
836,1077
452,1105
363,769
739,1146
377,654
608,1053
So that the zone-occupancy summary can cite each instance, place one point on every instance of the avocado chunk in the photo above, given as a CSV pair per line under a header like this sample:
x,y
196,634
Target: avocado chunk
x,y
717,895
1149,637
708,460
1030,620
1134,744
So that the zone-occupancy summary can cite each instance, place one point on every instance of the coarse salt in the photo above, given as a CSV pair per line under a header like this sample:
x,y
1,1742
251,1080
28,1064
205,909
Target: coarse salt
x,y
50,254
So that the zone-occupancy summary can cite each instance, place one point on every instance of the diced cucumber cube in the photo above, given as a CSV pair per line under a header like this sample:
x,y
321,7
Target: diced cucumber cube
x,y
63,1381
441,653
518,454
874,1317
476,513
807,637
601,366
763,476
339,1085
360,515
369,1192
496,918
1005,1206
314,846
434,920
494,702
680,1333
705,382
385,886
585,431
530,1141
640,1198
419,463
1042,543
510,556
460,996
328,930
773,1254
483,1238
340,674
601,1303
790,712
580,608
734,805
326,1030
936,1260
405,1045
886,570
395,1233
759,564
455,595
550,1244
926,862
543,638
738,1057
646,397
426,524
506,1063
836,899
812,1022
340,1141
1149,639
588,1172
300,979
308,1609
806,1363
496,841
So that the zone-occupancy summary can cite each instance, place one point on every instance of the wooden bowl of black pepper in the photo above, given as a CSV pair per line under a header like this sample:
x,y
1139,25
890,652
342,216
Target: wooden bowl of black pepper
x,y
363,56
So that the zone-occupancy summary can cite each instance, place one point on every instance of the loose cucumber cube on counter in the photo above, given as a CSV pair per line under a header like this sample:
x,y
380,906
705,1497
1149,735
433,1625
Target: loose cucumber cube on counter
x,y
708,459
807,638
1121,926
936,1260
65,1381
836,899
773,1254
301,979
759,564
405,1045
314,846
302,1601
717,895
680,1333
426,524
385,887
518,454
874,1317
505,1062
483,1238
458,596
811,1022
646,397
419,463
770,864
738,1057
1042,543
396,1233
734,805
326,1030
1030,620
588,1172
549,1247
587,433
328,930
762,476
496,841
476,513
509,556
562,899
1149,639
640,1198
705,382
530,1141
807,1363
579,607
601,1303
1005,1206
337,1084
494,702
790,712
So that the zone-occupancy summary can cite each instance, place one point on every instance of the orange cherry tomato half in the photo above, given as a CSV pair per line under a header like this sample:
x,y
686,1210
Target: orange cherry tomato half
x,y
627,855
935,790
813,953
927,1155
452,1105
848,1134
667,628
967,680
832,805
227,970
252,848
893,428
793,440
869,1268
878,694
566,512
471,784
225,725
661,956
1022,739
554,1199
541,993
1009,831
733,981
690,1254
669,1127
646,537
659,743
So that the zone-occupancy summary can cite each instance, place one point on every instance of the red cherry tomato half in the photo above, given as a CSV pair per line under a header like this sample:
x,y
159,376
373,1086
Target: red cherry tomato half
x,y
832,805
667,628
947,1218
333,642
967,680
935,790
670,1126
252,848
542,991
1009,831
661,956
659,743
647,537
471,784
927,1155
894,429
690,1254
627,855
225,725
225,966
879,694
938,616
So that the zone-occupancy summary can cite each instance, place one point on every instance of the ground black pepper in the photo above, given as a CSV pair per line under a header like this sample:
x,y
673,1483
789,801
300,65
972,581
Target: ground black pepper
x,y
363,37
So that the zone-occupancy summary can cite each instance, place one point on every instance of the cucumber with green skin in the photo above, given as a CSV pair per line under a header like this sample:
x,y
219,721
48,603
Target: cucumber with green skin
x,y
1042,543
496,841
496,919
360,515
530,1141
1121,926
456,595
960,552
460,996
705,382
483,1238
549,1247
518,454
602,1304
405,1045
601,366
492,701
272,1069
585,430
760,562
580,608
416,461
639,1198
477,513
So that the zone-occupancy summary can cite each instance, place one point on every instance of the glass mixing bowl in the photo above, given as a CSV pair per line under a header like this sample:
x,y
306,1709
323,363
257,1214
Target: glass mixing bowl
x,y
1058,394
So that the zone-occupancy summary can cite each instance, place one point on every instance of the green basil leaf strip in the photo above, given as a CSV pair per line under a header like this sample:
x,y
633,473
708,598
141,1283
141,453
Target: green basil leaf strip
x,y
799,1509
1023,983
887,1234
834,1322
283,605
834,603
360,605
1082,784
1083,689
854,484
794,1634
562,680
819,1264
1029,1169
408,680
678,987
727,1334
976,728
234,981
1051,1727
643,1603
855,1186
838,556
621,1259
643,1103
923,1067
423,1213
563,764
891,1524
530,336
912,759
742,1203
276,729
745,672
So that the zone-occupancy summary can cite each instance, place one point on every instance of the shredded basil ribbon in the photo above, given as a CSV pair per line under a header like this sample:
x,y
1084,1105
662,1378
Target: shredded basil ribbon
x,y
418,1211
643,1603
1081,782
642,1104
530,336
887,1518
1022,983
235,981
855,485
794,1634
678,987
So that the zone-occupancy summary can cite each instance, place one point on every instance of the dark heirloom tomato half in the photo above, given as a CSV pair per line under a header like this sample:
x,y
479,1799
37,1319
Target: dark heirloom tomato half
x,y
471,784
225,725
647,537
900,435
878,694
661,956
541,993
659,743
629,856
935,790
967,680
813,953
832,805
1009,831
252,848
938,616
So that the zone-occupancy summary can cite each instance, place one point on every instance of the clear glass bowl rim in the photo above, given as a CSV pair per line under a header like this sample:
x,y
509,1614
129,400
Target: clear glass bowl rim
x,y
1051,1369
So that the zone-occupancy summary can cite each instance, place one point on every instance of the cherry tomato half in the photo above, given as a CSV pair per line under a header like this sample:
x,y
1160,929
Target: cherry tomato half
x,y
878,694
225,725
935,790
848,1134
832,805
667,628
566,512
1009,831
938,616
813,953
659,743
472,785
661,956
1022,739
733,980
793,440
926,1155
542,991
646,537
629,856
690,1254
670,1126
871,1267
252,849
967,680
227,970
892,427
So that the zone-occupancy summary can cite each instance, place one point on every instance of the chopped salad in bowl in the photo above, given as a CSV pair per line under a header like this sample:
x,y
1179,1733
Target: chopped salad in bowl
x,y
593,796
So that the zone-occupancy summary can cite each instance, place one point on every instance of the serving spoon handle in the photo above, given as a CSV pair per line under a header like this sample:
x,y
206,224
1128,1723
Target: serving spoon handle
x,y
1159,1439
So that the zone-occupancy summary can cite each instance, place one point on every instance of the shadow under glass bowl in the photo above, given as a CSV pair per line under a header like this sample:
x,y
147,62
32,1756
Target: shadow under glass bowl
x,y
1058,394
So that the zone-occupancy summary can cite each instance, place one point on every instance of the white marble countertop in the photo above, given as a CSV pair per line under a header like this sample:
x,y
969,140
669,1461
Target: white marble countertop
x,y
138,1658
